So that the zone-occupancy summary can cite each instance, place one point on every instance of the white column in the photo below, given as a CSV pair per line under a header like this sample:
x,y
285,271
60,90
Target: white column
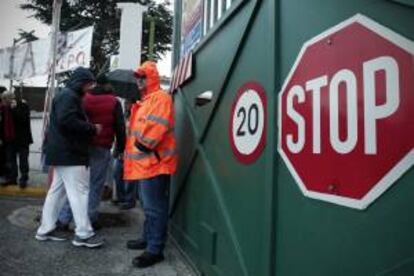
x,y
131,35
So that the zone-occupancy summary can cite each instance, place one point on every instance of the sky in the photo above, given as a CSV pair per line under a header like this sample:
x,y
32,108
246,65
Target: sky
x,y
12,18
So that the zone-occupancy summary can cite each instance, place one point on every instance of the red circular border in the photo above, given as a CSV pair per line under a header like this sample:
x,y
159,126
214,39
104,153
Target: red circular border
x,y
243,158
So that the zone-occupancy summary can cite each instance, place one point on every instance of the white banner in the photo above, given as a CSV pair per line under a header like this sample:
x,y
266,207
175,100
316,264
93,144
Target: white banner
x,y
32,59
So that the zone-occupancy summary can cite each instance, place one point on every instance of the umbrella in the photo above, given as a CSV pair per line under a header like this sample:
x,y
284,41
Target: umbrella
x,y
124,84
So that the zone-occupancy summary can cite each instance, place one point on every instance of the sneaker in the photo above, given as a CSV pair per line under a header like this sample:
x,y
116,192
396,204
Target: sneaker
x,y
116,202
63,227
4,184
91,242
9,182
22,183
96,226
147,259
126,206
139,244
54,235
106,193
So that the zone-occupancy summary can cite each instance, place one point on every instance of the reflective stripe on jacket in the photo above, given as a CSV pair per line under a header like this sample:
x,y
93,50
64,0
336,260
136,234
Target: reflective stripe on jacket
x,y
151,125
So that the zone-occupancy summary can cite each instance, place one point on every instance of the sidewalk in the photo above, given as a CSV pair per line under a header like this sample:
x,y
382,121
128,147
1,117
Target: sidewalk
x,y
21,254
35,186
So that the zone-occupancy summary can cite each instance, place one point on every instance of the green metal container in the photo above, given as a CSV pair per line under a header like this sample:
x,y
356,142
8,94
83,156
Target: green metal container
x,y
236,218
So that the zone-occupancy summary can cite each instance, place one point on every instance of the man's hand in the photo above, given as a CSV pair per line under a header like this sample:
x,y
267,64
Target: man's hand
x,y
118,155
13,103
98,128
141,147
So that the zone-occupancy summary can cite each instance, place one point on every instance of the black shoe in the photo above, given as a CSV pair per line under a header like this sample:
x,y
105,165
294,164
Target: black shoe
x,y
91,242
4,184
116,202
63,227
147,259
136,244
9,182
96,225
22,184
23,181
126,206
54,235
106,193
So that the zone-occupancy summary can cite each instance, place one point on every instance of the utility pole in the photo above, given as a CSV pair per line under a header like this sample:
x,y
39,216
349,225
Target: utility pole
x,y
151,38
57,7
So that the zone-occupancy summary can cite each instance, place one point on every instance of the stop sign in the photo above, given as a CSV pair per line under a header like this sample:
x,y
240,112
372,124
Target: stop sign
x,y
346,113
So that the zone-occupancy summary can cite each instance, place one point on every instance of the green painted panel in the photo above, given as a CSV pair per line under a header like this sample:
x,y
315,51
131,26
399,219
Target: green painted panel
x,y
236,219
317,238
200,227
228,227
213,62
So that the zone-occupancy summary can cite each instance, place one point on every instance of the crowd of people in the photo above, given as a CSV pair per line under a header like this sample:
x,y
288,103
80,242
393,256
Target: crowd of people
x,y
15,139
86,122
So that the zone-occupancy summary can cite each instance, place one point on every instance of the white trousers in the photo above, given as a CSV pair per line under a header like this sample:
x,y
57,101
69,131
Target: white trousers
x,y
75,180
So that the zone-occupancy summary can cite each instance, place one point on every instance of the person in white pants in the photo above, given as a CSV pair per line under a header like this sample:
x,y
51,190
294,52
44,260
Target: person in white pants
x,y
75,180
68,137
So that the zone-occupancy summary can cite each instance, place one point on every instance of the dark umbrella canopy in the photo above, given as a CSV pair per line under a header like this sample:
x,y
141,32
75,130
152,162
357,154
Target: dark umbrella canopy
x,y
124,84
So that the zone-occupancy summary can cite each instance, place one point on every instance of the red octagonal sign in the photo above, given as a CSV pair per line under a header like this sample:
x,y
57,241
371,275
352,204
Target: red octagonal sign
x,y
346,113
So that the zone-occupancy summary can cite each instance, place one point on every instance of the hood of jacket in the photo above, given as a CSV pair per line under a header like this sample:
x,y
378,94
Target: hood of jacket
x,y
150,71
79,77
100,90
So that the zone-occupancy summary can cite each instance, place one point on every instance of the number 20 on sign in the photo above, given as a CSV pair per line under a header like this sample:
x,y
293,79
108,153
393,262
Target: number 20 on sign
x,y
247,129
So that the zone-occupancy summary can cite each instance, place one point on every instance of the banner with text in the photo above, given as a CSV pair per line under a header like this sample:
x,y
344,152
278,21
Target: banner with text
x,y
33,59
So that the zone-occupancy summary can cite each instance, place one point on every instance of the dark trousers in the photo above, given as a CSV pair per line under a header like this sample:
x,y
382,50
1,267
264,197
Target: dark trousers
x,y
22,151
127,191
3,161
155,200
121,189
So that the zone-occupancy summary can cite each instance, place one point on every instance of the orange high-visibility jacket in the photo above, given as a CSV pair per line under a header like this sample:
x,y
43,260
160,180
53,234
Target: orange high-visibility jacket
x,y
152,125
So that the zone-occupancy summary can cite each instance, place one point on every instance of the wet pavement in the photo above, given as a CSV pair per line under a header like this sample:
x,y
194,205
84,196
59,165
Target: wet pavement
x,y
21,254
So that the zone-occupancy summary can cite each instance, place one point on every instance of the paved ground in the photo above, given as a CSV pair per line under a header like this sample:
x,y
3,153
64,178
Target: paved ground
x,y
21,254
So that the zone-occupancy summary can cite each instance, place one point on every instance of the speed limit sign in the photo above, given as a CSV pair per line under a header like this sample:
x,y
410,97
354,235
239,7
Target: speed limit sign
x,y
247,129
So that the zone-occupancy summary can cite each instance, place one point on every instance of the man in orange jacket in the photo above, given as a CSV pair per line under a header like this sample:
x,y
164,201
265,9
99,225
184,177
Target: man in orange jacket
x,y
150,159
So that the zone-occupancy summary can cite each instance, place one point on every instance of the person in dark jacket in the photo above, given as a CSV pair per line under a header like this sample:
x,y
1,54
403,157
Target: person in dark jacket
x,y
101,107
2,148
17,138
67,149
